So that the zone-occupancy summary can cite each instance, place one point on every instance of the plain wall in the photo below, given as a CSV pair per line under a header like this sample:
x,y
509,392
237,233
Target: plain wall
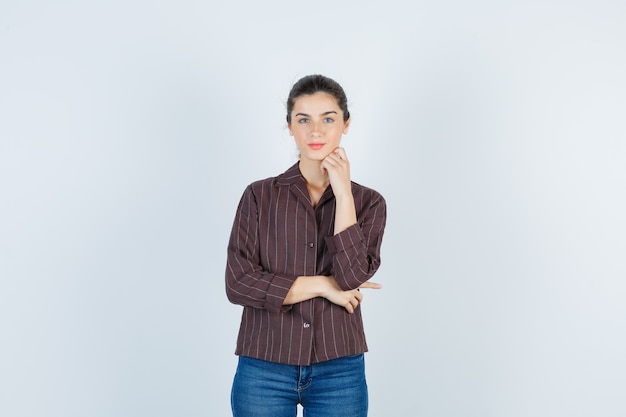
x,y
495,130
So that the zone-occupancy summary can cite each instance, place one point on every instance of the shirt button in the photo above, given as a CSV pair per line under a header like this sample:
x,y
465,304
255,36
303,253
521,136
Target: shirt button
x,y
310,244
307,325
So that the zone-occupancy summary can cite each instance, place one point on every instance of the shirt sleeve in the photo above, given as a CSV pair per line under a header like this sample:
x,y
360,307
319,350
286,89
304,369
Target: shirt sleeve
x,y
247,283
356,250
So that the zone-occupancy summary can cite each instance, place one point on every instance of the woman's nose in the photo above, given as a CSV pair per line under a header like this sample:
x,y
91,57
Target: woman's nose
x,y
316,127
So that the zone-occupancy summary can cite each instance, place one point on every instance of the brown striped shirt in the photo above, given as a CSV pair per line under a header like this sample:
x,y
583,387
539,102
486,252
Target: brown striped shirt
x,y
278,235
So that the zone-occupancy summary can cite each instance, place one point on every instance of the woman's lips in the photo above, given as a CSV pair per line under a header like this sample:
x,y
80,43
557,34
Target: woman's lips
x,y
316,146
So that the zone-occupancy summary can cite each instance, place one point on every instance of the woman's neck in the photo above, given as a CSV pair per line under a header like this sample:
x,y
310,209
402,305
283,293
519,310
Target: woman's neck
x,y
313,175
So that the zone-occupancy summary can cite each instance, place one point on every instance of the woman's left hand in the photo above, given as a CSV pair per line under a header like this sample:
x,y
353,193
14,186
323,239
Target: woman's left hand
x,y
337,166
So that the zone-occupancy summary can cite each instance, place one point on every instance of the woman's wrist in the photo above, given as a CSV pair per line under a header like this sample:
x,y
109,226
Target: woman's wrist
x,y
345,198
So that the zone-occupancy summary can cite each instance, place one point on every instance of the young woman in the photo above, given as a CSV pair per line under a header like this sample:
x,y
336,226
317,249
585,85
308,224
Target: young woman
x,y
302,245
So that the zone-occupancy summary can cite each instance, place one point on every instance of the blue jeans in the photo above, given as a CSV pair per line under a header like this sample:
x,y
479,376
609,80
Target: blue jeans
x,y
334,388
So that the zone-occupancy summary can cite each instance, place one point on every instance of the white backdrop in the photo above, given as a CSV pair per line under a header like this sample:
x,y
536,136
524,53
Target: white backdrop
x,y
495,130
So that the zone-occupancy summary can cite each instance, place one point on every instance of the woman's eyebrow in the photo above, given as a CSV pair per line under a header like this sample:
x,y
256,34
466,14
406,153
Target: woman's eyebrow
x,y
323,114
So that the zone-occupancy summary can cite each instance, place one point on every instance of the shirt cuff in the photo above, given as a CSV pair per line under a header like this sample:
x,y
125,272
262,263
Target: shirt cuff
x,y
277,292
345,239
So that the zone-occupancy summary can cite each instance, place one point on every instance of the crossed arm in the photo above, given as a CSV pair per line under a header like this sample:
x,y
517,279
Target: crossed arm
x,y
307,287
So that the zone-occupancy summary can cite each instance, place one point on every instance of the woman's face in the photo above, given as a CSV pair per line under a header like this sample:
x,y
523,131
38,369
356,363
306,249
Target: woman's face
x,y
317,125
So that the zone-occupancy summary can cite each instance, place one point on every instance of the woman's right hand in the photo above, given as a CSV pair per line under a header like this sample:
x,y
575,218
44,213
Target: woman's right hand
x,y
347,299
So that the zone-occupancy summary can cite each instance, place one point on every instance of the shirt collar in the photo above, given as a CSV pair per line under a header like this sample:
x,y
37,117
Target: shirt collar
x,y
291,176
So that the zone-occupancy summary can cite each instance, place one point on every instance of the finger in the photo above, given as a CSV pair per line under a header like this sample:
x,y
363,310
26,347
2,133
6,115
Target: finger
x,y
349,308
324,166
329,164
372,285
332,158
341,153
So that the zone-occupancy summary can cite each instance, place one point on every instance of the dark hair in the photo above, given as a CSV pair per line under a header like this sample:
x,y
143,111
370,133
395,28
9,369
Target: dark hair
x,y
316,83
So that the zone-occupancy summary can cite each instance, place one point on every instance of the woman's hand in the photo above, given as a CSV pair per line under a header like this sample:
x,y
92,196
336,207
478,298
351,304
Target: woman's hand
x,y
337,166
308,287
347,299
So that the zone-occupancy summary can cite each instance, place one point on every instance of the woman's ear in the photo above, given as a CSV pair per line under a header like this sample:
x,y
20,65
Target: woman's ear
x,y
346,126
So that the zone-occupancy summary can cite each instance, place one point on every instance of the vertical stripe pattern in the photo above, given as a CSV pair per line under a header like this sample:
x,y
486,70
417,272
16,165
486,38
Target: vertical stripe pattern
x,y
278,235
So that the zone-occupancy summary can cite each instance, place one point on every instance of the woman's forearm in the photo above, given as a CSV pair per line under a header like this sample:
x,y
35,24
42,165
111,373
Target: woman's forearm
x,y
345,213
307,287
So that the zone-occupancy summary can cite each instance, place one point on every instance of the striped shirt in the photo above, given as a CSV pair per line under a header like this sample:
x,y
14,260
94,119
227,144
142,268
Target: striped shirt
x,y
278,235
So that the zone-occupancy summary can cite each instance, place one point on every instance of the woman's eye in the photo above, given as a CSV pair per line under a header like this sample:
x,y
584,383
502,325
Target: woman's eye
x,y
328,120
303,120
